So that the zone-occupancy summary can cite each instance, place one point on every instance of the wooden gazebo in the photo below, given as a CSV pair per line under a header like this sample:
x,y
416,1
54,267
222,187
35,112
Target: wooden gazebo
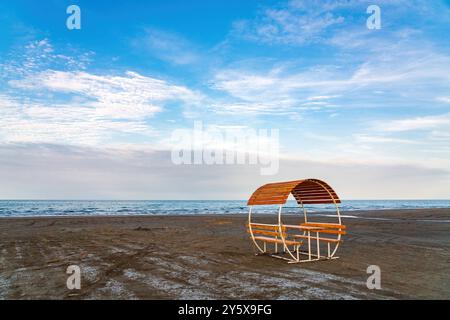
x,y
299,240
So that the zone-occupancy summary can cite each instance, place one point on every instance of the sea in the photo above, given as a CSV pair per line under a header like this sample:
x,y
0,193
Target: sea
x,y
34,208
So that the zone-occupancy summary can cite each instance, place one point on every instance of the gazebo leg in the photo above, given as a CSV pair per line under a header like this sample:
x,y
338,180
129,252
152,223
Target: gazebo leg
x,y
309,246
318,246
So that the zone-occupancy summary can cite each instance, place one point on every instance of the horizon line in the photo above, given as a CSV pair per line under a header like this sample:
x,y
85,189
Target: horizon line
x,y
396,199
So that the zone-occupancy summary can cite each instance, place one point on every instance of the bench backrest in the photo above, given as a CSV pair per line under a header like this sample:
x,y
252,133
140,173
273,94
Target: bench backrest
x,y
267,230
330,228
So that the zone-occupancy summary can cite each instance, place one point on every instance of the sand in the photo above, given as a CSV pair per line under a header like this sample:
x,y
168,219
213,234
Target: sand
x,y
211,257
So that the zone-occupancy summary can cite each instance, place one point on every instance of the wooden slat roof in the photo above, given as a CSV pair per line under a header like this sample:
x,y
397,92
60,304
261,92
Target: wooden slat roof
x,y
307,191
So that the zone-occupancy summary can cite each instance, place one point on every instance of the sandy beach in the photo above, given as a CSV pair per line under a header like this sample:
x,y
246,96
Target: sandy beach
x,y
211,257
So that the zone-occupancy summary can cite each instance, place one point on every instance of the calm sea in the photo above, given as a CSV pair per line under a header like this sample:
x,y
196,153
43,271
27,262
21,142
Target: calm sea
x,y
25,208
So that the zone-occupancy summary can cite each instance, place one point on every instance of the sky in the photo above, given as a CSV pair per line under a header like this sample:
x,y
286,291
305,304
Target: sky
x,y
89,113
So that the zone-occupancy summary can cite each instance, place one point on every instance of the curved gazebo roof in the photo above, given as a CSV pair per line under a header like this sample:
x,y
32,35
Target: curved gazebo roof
x,y
306,191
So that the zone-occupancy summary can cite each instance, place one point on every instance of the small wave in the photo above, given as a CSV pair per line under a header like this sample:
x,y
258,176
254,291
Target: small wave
x,y
342,216
434,220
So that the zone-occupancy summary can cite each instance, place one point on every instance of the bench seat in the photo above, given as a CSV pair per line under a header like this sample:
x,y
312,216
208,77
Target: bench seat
x,y
325,225
275,240
320,239
329,228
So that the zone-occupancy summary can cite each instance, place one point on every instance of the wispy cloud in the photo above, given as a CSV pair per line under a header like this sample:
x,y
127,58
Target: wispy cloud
x,y
416,123
93,109
48,105
129,96
41,54
400,69
365,138
314,98
34,122
167,46
295,23
443,99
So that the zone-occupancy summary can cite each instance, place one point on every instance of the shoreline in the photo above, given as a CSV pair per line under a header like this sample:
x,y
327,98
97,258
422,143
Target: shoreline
x,y
210,256
348,213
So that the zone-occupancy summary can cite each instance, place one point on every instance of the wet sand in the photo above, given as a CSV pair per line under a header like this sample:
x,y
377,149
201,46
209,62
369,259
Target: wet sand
x,y
211,257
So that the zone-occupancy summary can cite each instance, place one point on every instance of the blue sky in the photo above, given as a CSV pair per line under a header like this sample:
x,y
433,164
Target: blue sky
x,y
91,110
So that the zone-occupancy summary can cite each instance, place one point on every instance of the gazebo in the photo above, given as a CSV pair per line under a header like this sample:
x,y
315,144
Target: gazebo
x,y
306,238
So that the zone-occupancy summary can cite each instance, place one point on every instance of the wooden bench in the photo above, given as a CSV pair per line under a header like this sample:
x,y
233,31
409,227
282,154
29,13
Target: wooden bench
x,y
276,240
328,228
320,238
270,233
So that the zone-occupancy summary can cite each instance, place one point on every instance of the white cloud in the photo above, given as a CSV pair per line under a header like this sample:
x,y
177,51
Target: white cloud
x,y
365,138
38,55
246,108
440,135
416,123
130,97
51,99
314,98
401,70
399,73
399,61
295,23
443,99
22,121
98,109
